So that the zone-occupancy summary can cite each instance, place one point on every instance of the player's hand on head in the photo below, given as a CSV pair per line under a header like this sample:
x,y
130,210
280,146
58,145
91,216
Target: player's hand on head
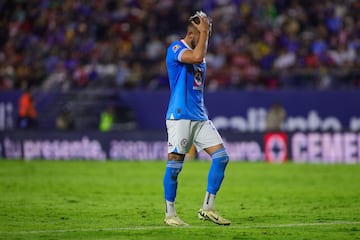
x,y
202,22
203,25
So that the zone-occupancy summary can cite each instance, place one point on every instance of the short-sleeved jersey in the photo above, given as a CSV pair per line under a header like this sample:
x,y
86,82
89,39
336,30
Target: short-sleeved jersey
x,y
186,85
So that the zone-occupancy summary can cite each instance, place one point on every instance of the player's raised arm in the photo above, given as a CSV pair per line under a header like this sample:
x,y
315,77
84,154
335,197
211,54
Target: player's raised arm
x,y
197,36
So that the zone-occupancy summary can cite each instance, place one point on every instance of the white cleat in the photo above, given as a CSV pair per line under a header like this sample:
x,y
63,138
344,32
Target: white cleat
x,y
213,216
175,221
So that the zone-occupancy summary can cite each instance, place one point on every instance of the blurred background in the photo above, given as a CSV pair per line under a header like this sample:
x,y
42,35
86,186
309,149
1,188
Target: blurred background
x,y
283,77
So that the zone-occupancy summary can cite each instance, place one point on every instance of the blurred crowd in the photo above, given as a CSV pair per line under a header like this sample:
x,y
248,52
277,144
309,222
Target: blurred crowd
x,y
266,44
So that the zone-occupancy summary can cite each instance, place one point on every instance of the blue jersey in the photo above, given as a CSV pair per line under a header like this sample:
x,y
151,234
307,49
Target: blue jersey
x,y
186,85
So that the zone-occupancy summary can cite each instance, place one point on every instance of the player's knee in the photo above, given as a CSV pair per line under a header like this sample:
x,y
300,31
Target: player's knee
x,y
173,169
220,156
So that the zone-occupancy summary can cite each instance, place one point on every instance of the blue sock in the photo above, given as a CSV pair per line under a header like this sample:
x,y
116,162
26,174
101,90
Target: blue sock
x,y
217,170
173,168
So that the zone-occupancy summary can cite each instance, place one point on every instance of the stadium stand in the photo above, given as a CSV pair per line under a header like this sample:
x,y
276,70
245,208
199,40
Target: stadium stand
x,y
256,44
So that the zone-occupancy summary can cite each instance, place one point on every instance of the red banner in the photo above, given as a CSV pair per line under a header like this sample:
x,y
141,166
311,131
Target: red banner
x,y
276,147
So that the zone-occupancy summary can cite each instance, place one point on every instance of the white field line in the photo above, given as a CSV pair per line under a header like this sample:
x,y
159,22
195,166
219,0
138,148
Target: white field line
x,y
149,228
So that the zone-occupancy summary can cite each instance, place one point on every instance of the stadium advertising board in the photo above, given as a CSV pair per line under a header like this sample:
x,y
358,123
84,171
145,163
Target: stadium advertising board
x,y
246,111
278,147
100,146
275,147
326,147
230,110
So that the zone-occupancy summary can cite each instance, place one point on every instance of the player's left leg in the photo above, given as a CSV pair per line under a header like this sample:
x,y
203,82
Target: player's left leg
x,y
216,174
210,140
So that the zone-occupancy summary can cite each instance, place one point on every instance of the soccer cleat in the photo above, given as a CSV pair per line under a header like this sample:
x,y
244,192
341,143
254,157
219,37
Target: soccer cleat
x,y
175,221
213,216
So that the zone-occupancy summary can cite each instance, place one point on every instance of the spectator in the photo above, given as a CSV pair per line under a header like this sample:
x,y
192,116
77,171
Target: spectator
x,y
106,119
275,118
64,121
48,43
27,115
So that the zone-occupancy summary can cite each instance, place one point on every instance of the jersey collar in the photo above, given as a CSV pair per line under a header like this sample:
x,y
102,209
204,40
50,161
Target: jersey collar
x,y
183,41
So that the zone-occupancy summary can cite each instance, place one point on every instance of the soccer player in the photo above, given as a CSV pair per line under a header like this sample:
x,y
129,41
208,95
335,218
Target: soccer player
x,y
187,121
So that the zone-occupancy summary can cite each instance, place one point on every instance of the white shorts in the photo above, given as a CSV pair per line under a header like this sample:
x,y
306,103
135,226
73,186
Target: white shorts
x,y
182,134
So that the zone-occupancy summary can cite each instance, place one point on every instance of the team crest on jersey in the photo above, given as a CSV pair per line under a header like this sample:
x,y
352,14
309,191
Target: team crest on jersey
x,y
184,142
198,79
175,48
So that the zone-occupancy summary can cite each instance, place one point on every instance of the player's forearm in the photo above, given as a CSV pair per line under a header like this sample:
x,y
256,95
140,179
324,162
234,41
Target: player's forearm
x,y
201,48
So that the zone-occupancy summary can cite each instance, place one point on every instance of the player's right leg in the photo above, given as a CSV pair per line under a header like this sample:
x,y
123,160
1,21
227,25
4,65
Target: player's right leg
x,y
179,142
173,168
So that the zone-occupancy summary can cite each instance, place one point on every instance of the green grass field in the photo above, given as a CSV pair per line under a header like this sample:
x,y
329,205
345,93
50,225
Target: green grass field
x,y
124,200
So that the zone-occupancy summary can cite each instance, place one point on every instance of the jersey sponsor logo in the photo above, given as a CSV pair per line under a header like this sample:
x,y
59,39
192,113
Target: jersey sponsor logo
x,y
175,48
198,79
